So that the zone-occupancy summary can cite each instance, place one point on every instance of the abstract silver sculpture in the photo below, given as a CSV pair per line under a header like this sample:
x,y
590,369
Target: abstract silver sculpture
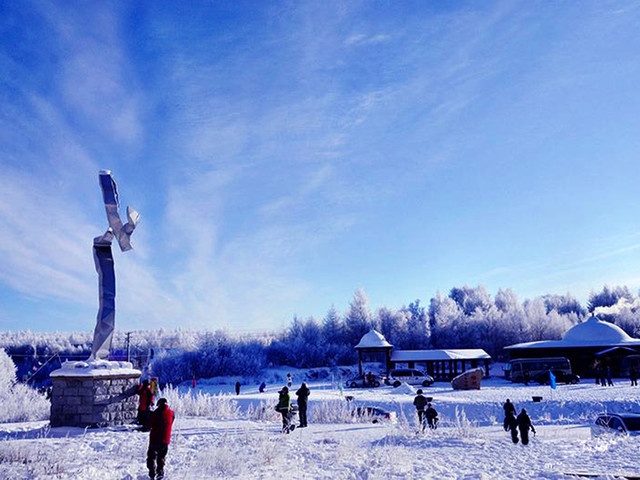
x,y
103,258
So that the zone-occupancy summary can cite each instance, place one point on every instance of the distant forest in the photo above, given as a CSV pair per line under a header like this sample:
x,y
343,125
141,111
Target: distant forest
x,y
468,317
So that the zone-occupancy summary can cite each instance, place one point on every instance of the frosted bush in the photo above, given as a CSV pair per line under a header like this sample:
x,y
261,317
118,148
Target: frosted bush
x,y
232,456
20,403
463,426
262,412
7,372
198,404
332,411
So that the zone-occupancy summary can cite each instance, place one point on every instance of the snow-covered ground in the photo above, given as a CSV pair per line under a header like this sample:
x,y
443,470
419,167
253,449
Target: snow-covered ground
x,y
242,443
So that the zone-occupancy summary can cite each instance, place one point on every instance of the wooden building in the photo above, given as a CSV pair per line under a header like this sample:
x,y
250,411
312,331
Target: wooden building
x,y
440,364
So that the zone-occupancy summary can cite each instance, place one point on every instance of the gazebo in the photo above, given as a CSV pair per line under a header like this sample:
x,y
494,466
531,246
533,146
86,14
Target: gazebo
x,y
373,347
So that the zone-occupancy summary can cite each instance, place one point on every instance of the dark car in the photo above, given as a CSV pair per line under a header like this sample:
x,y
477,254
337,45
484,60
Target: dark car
x,y
375,414
561,377
358,382
616,424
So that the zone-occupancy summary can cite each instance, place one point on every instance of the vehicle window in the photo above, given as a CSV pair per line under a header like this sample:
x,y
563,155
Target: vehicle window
x,y
633,424
417,373
616,424
602,421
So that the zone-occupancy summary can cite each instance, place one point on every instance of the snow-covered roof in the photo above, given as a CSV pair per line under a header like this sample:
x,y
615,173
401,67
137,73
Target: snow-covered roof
x,y
373,339
591,333
595,329
433,355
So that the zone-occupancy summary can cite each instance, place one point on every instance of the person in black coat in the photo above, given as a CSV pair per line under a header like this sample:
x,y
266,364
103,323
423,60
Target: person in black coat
x,y
420,402
511,425
524,425
633,376
237,388
509,409
303,395
608,373
432,416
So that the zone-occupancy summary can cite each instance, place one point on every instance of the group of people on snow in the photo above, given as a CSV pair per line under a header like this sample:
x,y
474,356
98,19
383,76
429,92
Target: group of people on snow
x,y
427,415
514,424
159,423
603,375
285,409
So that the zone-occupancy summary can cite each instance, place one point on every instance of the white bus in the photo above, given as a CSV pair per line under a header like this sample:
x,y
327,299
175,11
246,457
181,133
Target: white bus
x,y
536,367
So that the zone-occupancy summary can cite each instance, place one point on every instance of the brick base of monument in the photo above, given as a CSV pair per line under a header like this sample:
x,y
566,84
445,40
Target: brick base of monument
x,y
100,401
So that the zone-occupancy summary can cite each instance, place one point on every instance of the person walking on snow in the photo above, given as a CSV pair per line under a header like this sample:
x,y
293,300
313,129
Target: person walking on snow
x,y
609,381
160,423
633,376
432,416
420,402
262,387
524,425
303,394
237,388
509,409
284,407
144,407
511,425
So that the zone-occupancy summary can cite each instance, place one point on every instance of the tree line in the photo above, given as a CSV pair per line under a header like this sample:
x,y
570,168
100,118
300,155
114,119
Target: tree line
x,y
467,317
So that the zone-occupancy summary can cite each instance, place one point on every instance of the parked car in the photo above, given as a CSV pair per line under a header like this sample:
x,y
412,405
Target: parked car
x,y
412,377
375,414
561,377
617,424
358,382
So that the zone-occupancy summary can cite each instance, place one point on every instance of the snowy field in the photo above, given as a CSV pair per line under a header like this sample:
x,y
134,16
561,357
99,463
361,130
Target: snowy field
x,y
221,435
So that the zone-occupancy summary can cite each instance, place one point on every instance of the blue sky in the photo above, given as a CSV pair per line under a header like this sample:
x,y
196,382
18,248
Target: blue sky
x,y
284,154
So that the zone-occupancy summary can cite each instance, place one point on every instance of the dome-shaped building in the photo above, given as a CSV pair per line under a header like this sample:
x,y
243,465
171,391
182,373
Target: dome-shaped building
x,y
588,344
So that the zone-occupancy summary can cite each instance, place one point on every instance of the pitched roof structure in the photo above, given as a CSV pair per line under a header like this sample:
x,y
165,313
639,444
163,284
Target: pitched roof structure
x,y
373,339
436,355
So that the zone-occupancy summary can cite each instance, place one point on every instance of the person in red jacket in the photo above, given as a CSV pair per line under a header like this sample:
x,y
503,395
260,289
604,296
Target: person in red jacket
x,y
160,422
144,407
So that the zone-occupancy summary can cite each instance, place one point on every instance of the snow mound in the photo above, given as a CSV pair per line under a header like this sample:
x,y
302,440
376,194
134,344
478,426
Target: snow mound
x,y
405,388
95,368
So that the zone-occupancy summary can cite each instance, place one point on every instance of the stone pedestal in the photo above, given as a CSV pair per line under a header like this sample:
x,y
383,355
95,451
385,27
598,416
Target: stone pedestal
x,y
97,394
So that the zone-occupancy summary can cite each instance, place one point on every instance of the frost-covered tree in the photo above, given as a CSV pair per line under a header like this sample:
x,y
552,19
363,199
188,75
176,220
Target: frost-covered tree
x,y
393,325
332,326
358,317
417,326
563,304
444,313
20,403
608,297
469,299
335,349
7,372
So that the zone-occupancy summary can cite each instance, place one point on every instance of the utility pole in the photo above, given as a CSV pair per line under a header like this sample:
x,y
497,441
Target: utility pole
x,y
128,346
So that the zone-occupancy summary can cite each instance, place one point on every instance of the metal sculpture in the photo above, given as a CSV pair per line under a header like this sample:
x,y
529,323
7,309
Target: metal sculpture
x,y
103,259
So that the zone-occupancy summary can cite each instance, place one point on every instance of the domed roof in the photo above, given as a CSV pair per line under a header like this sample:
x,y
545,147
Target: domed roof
x,y
594,330
373,339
